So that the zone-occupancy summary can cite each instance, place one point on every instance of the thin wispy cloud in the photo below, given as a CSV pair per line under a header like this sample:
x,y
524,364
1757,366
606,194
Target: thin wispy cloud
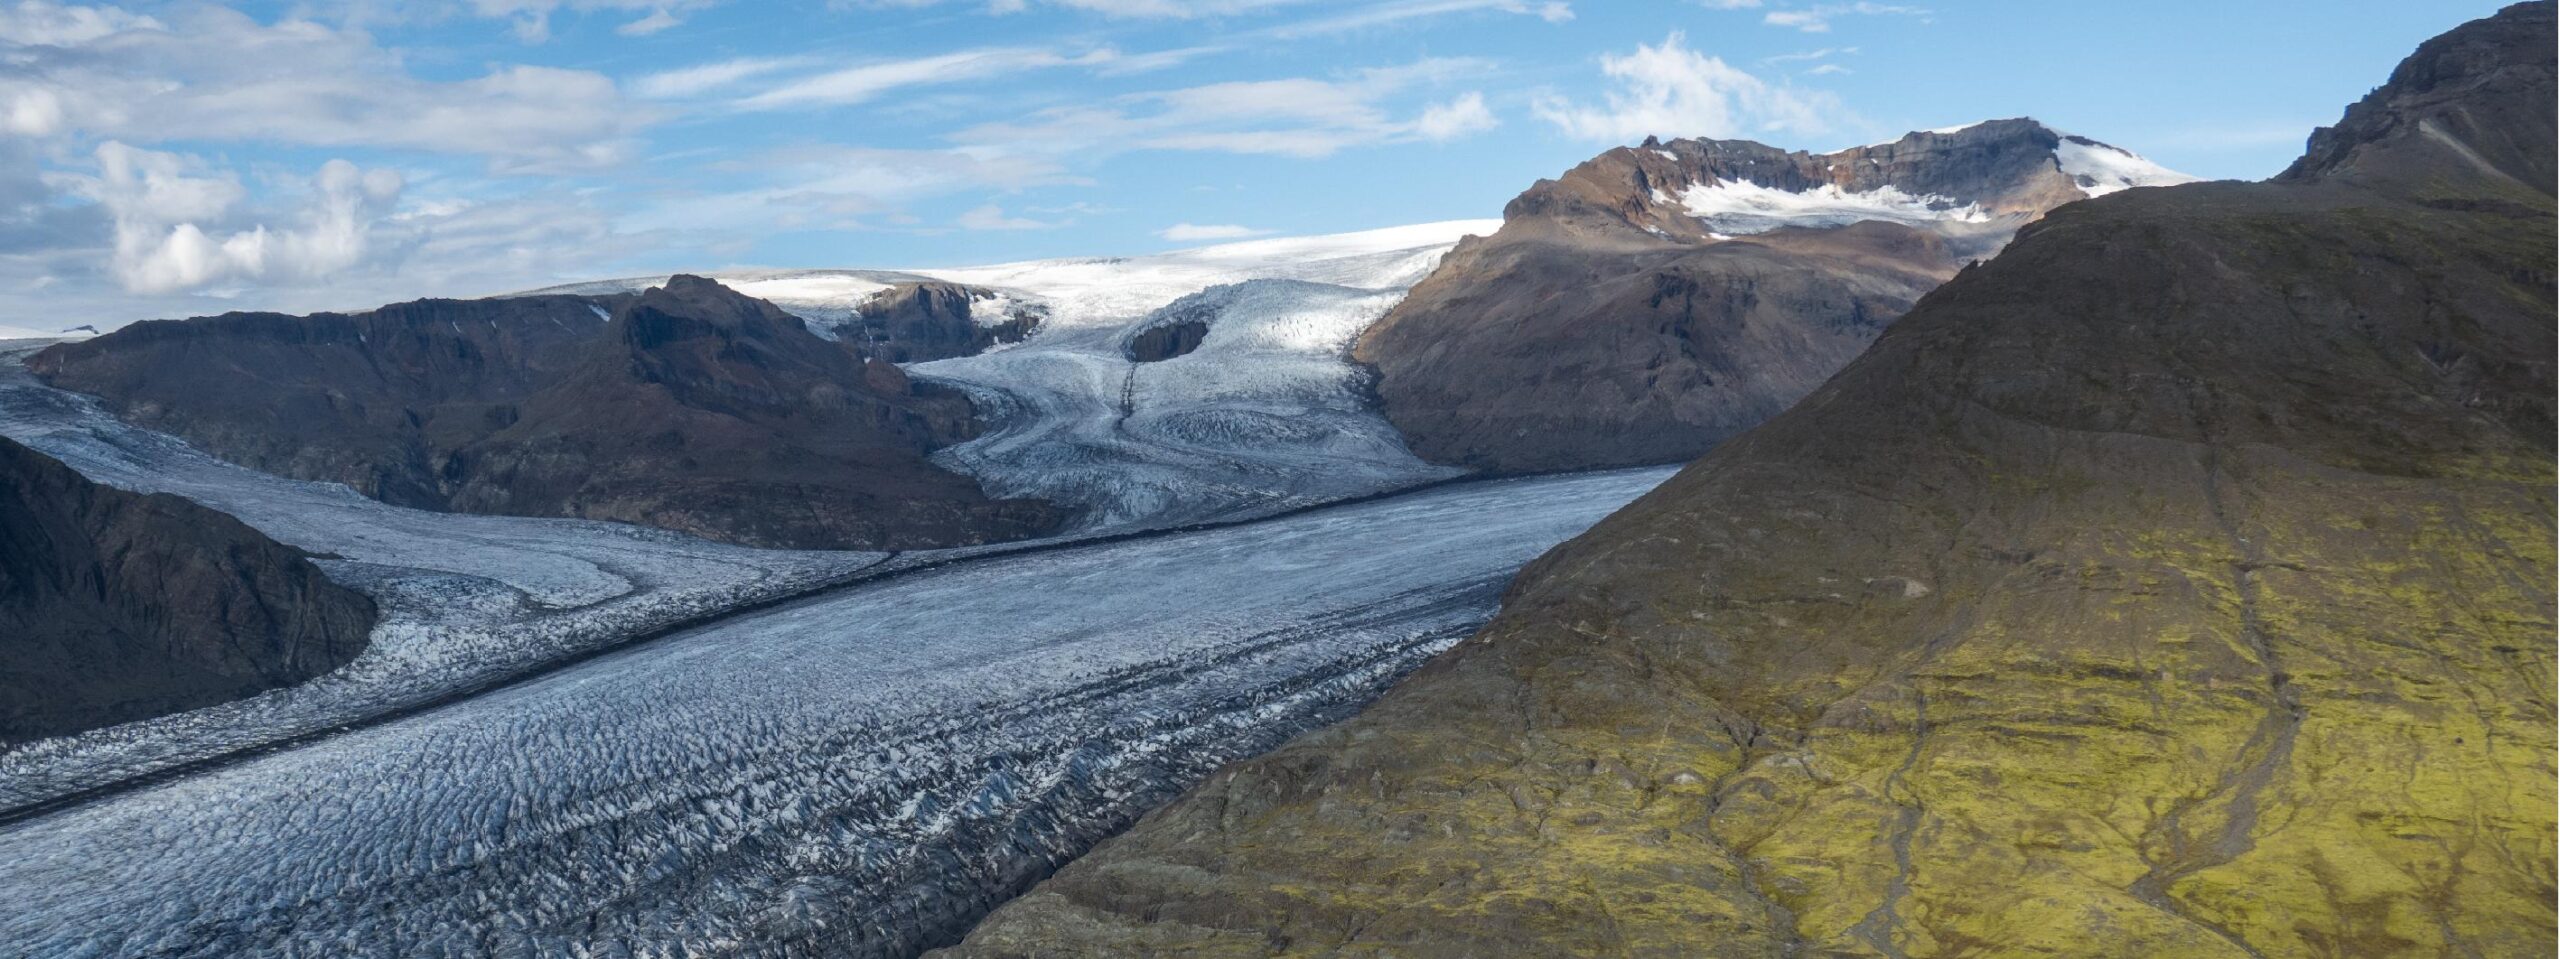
x,y
1398,11
1299,116
1208,232
870,81
709,77
1817,19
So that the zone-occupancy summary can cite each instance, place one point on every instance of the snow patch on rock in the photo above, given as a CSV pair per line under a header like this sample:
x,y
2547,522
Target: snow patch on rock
x,y
1742,207
2100,169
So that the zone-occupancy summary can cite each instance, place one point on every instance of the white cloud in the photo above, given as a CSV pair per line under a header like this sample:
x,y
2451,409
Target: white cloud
x,y
44,23
160,206
1807,55
1396,11
838,187
1203,232
530,20
992,217
697,80
1671,90
858,84
1456,118
1730,4
1827,69
657,20
218,75
1817,19
1298,116
1123,9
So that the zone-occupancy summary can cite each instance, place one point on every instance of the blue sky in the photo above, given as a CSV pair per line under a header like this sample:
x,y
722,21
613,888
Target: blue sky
x,y
174,159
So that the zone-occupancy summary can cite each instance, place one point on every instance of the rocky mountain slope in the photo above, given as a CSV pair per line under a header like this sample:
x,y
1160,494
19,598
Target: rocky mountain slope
x,y
687,406
2178,583
913,322
116,606
1661,298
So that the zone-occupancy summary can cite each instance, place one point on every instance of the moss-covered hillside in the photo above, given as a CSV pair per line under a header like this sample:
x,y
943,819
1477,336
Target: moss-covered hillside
x,y
2179,583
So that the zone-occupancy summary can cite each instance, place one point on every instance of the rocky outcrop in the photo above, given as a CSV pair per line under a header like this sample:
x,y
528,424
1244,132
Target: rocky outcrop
x,y
1176,330
2178,583
1658,299
2467,117
688,407
932,320
1156,344
116,606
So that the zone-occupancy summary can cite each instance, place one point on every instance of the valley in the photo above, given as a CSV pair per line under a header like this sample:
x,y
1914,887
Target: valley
x,y
1986,541
863,772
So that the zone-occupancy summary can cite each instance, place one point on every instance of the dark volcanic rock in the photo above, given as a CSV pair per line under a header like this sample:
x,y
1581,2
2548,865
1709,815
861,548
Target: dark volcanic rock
x,y
116,606
1608,324
373,400
1156,344
914,322
2179,583
688,407
1175,330
2469,114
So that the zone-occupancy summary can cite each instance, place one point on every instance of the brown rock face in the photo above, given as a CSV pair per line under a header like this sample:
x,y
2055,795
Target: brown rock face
x,y
2178,583
116,606
1608,325
914,322
688,407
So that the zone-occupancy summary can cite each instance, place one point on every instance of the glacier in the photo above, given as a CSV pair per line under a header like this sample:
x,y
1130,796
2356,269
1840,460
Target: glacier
x,y
1268,415
585,738
860,773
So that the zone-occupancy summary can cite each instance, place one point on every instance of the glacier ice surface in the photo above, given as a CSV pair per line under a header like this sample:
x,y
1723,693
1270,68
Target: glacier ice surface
x,y
860,773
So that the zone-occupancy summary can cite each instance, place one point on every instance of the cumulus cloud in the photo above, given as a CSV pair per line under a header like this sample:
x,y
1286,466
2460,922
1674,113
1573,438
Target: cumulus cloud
x,y
1203,232
1671,90
1456,118
161,204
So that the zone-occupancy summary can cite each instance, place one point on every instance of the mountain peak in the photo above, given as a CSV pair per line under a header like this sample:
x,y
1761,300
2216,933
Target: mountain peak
x,y
1974,183
2470,110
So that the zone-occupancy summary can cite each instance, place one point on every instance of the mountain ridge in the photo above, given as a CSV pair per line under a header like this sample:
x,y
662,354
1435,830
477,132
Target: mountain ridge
x,y
2176,583
1656,299
687,406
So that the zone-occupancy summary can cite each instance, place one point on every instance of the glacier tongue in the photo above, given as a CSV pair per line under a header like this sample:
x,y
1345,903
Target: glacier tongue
x,y
1268,414
863,773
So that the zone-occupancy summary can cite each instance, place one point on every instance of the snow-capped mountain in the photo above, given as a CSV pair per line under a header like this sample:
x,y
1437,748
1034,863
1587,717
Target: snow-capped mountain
x,y
1660,298
1975,183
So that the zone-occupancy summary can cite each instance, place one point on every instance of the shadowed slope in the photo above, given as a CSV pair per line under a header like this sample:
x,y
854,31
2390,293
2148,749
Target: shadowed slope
x,y
115,606
688,407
